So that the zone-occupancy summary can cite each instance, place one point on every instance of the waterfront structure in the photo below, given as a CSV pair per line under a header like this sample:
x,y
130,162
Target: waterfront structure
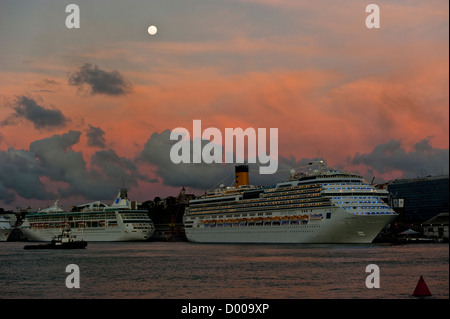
x,y
167,216
121,221
320,206
436,227
419,199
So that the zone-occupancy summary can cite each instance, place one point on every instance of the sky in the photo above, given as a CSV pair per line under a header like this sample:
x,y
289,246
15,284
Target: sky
x,y
85,111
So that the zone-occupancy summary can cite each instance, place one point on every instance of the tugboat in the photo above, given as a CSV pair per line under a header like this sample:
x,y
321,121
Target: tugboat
x,y
63,241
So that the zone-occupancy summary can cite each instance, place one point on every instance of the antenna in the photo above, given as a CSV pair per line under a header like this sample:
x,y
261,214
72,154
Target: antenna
x,y
319,155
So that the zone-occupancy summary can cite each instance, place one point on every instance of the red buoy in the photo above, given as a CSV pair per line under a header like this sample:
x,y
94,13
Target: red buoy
x,y
421,289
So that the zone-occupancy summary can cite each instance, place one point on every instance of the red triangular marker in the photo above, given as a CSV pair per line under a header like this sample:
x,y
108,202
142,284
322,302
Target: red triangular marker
x,y
421,289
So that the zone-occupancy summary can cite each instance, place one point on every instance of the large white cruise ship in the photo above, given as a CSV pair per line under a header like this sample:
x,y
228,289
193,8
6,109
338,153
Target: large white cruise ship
x,y
96,221
323,206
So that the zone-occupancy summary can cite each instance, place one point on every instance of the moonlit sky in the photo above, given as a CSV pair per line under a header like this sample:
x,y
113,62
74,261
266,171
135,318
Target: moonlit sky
x,y
84,112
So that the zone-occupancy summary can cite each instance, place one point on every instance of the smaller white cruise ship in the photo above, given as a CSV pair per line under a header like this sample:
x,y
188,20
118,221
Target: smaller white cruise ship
x,y
121,221
6,227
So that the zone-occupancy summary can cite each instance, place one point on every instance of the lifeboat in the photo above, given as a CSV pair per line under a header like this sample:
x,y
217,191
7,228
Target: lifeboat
x,y
316,217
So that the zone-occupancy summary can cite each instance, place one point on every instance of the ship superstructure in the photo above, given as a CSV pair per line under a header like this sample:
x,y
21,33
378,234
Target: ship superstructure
x,y
322,206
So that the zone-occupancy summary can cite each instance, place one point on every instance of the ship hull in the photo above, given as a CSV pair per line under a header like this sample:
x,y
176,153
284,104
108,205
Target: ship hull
x,y
341,227
101,235
4,234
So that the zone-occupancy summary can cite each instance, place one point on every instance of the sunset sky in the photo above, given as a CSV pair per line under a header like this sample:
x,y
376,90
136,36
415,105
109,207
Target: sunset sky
x,y
84,112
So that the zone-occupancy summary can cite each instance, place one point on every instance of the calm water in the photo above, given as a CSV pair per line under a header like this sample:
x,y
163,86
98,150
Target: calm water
x,y
187,270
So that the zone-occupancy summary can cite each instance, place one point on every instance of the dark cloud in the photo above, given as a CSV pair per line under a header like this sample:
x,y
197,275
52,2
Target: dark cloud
x,y
99,81
41,117
57,158
197,175
20,173
54,158
96,137
62,163
117,170
424,159
46,85
204,176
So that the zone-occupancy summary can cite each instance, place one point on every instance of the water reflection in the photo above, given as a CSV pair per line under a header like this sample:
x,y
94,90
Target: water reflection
x,y
185,270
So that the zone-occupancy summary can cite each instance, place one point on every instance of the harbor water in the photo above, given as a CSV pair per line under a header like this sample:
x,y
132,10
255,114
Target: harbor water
x,y
183,270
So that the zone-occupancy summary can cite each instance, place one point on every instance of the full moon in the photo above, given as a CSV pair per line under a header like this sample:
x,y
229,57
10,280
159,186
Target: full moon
x,y
152,30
